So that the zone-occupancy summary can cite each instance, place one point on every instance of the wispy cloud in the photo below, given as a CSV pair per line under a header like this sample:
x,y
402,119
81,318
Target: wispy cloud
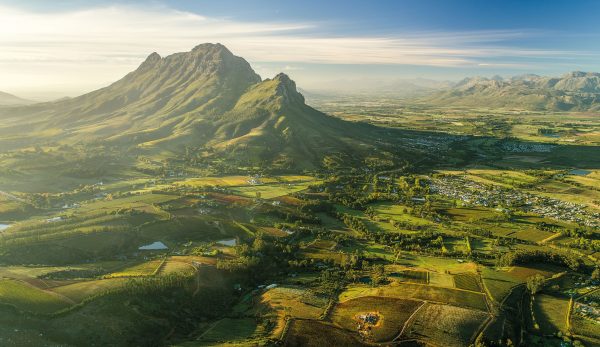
x,y
54,50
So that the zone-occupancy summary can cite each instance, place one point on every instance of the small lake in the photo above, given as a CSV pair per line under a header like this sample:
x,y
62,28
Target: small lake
x,y
555,136
155,246
579,172
229,243
4,227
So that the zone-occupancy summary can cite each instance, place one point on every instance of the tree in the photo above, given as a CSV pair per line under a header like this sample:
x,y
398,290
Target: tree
x,y
596,274
378,274
535,283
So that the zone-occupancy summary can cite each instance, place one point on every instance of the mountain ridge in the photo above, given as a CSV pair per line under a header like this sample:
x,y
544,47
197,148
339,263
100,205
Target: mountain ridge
x,y
206,98
573,91
7,99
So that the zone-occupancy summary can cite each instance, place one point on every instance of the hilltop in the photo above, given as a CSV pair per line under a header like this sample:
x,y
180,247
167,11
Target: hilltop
x,y
7,99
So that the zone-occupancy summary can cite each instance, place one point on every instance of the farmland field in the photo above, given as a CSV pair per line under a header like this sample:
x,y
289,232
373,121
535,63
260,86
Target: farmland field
x,y
450,296
411,276
317,334
27,298
441,279
292,302
82,290
445,325
144,269
393,314
467,282
270,191
550,313
585,327
229,329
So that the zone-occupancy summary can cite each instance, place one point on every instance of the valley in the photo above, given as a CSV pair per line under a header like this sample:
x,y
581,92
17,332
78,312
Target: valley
x,y
192,203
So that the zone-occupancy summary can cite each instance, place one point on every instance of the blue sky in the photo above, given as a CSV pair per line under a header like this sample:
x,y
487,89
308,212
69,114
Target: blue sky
x,y
47,46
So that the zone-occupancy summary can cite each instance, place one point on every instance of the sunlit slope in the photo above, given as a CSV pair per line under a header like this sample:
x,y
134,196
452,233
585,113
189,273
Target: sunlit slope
x,y
207,99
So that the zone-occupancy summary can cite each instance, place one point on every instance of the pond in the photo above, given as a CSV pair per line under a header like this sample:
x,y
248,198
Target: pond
x,y
155,246
556,136
579,172
4,226
229,243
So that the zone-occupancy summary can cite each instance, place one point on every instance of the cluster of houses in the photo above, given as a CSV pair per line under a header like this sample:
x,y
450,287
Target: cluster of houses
x,y
254,180
521,147
366,322
478,194
172,173
437,142
588,308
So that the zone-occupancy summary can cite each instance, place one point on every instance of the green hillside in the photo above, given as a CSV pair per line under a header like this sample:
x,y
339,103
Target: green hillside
x,y
207,102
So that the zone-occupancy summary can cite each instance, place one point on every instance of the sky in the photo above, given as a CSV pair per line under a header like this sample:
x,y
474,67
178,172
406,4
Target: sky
x,y
52,49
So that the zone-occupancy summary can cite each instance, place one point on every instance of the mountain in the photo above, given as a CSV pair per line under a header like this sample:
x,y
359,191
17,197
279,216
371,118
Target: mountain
x,y
575,91
207,99
9,100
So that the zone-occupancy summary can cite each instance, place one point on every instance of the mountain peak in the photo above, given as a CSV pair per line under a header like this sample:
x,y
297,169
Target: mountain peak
x,y
208,46
215,49
150,62
153,57
286,88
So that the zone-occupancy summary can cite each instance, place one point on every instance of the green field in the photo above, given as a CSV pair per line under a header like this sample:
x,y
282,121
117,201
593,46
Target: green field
x,y
82,290
550,313
229,329
421,277
270,191
467,282
28,298
144,269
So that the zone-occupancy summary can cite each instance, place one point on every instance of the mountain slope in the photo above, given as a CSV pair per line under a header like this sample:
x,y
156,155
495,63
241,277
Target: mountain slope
x,y
9,100
575,91
206,99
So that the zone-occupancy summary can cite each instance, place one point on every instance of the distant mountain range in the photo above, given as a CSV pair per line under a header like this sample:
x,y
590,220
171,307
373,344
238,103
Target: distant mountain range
x,y
10,100
207,98
575,91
